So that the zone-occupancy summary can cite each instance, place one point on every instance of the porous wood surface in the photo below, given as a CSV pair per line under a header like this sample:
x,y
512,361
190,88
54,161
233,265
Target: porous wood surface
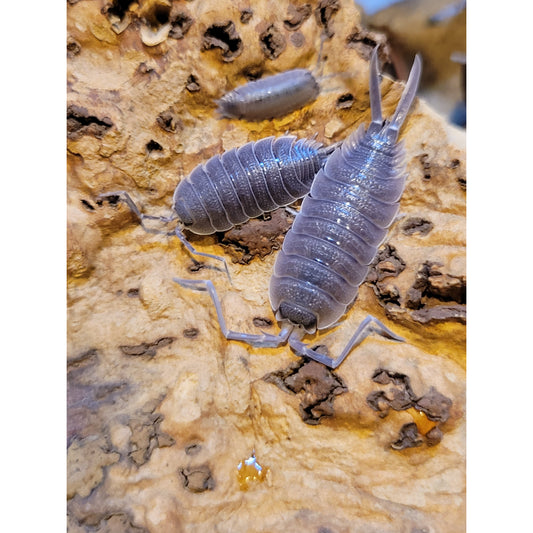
x,y
161,407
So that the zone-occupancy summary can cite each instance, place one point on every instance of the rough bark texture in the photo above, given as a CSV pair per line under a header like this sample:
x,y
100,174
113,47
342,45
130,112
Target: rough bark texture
x,y
161,408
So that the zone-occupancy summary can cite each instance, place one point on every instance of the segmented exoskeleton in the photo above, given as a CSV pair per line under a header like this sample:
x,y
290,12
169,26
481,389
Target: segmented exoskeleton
x,y
240,184
270,97
273,96
325,255
246,182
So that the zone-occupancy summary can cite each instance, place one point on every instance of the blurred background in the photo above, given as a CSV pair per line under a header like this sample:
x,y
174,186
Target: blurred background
x,y
436,29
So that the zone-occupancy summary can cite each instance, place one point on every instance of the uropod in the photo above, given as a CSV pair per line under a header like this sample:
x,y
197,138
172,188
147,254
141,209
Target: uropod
x,y
325,256
240,184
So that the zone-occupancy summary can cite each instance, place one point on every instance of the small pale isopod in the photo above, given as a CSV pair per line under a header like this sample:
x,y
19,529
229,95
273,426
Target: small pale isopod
x,y
240,184
325,255
273,96
270,97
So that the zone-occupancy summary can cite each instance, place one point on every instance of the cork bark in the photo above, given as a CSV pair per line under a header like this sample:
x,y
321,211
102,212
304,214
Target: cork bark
x,y
162,409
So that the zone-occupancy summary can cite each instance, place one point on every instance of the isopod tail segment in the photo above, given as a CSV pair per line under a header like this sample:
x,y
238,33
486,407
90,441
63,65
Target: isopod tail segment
x,y
390,129
126,198
290,333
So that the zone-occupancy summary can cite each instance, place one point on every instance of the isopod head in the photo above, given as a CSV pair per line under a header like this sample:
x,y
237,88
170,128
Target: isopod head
x,y
297,315
230,105
186,202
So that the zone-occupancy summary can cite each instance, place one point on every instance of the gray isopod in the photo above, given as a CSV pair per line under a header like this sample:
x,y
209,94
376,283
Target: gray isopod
x,y
240,184
325,255
246,182
273,96
270,97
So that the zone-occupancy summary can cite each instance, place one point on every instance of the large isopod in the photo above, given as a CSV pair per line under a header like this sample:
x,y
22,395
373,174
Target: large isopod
x,y
353,200
246,182
240,184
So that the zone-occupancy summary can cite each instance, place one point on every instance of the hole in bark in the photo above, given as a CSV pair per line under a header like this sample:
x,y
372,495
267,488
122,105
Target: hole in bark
x,y
146,348
387,263
272,42
246,15
252,73
363,38
168,121
87,358
153,146
261,322
368,42
435,405
408,437
414,225
432,406
324,13
196,266
118,8
192,84
143,69
317,385
297,16
426,166
190,333
431,282
345,101
87,205
181,23
364,41
193,449
224,36
111,200
158,15
197,478
80,122
73,48
115,521
388,293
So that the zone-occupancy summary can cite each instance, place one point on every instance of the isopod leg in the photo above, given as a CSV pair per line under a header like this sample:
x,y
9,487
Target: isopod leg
x,y
369,325
259,341
291,211
126,198
194,251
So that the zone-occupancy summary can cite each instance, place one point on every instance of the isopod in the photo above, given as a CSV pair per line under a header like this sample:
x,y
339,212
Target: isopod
x,y
270,97
240,184
325,256
273,96
246,182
